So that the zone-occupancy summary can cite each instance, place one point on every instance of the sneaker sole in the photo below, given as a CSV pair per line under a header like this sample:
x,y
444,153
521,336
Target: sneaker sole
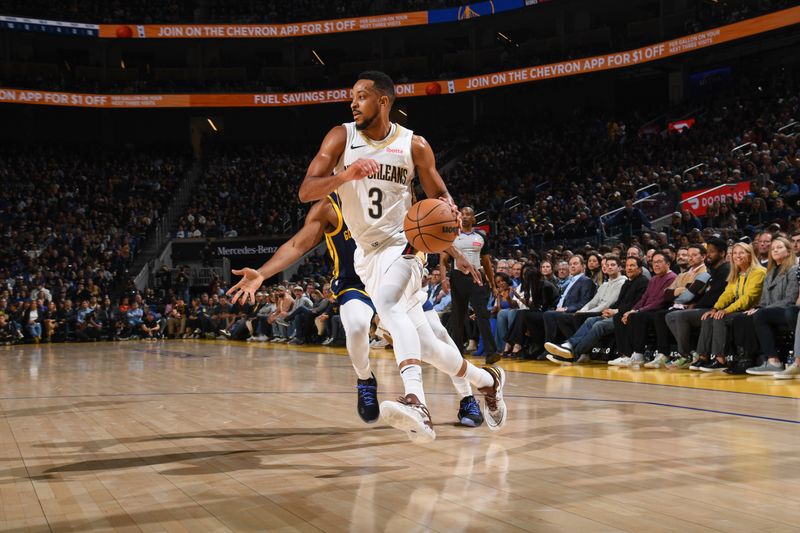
x,y
762,372
469,422
712,370
555,349
785,377
501,403
553,359
393,414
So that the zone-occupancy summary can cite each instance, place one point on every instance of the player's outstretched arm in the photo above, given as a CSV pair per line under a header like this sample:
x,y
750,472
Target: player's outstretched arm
x,y
320,181
289,253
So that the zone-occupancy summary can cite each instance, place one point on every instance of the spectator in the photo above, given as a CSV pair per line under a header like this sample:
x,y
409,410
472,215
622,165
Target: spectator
x,y
743,291
538,295
754,330
698,299
630,328
595,328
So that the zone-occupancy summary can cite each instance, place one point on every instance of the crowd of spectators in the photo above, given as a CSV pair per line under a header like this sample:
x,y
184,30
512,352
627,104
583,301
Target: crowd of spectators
x,y
245,191
300,312
72,220
586,167
252,191
710,306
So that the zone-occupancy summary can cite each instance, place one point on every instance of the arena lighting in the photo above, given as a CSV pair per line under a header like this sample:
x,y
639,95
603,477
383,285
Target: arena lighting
x,y
402,112
211,123
122,64
321,62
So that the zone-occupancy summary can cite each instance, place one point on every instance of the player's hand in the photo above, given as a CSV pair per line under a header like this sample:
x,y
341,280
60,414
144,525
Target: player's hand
x,y
245,290
361,168
466,267
453,207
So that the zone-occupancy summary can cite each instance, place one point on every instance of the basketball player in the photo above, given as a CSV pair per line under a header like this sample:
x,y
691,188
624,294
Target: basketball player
x,y
371,163
356,309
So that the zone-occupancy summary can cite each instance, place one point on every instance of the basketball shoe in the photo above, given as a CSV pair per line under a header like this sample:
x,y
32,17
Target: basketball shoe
x,y
409,415
494,407
469,412
368,408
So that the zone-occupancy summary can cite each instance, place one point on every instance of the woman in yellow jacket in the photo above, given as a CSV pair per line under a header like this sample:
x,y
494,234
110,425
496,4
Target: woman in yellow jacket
x,y
743,292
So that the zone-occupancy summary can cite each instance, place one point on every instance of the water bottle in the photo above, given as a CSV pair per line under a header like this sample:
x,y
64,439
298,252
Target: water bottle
x,y
790,358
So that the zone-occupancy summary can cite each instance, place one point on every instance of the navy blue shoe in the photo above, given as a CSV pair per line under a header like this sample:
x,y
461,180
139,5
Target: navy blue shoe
x,y
469,413
368,408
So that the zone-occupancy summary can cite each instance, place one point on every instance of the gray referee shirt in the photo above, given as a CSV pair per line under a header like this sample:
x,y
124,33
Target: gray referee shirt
x,y
473,245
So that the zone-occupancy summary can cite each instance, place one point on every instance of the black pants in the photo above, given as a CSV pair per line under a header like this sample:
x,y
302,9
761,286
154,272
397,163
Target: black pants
x,y
528,329
756,333
465,290
632,337
569,323
639,325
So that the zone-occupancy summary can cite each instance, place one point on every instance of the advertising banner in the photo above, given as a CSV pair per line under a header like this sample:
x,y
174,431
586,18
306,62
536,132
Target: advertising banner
x,y
700,199
623,59
261,31
244,252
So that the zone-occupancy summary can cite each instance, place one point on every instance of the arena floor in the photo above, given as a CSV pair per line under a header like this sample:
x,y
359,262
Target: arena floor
x,y
210,436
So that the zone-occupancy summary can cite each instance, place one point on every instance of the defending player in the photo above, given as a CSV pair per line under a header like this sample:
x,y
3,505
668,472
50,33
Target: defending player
x,y
371,163
356,309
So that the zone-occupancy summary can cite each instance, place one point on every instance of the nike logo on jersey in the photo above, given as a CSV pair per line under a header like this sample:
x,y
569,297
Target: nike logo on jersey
x,y
357,147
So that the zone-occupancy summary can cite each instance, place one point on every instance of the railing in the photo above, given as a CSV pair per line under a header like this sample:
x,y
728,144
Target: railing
x,y
793,125
653,207
166,223
738,150
691,169
639,191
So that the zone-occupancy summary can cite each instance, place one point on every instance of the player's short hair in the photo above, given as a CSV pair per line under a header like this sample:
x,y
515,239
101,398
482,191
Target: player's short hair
x,y
382,83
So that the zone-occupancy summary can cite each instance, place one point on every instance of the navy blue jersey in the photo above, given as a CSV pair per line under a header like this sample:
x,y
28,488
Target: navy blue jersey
x,y
341,248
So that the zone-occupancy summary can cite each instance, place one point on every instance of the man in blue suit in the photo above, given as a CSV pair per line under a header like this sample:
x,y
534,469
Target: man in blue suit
x,y
578,291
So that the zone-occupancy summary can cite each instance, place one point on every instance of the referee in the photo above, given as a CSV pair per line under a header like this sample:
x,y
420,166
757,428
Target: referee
x,y
473,244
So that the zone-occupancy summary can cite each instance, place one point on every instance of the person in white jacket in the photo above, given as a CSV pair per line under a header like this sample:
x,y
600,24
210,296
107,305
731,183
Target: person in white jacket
x,y
606,295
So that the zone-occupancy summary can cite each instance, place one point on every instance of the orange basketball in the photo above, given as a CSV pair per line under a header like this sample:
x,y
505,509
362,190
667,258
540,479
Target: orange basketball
x,y
431,226
124,32
433,88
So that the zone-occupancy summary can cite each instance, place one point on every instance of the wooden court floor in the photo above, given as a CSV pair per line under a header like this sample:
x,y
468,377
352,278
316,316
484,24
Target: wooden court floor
x,y
205,436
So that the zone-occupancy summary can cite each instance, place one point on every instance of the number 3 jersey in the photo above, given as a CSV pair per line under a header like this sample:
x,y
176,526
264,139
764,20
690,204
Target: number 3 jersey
x,y
374,208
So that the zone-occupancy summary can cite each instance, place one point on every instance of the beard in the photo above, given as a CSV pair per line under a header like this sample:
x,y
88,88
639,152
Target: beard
x,y
367,122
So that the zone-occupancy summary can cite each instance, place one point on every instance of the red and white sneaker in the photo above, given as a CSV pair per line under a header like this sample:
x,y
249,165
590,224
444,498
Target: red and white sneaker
x,y
409,415
494,407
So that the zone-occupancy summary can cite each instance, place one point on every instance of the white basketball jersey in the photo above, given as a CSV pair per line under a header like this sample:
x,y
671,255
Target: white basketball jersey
x,y
374,208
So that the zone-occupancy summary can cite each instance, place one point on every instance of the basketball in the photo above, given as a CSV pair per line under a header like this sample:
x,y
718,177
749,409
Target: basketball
x,y
433,88
124,32
431,226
